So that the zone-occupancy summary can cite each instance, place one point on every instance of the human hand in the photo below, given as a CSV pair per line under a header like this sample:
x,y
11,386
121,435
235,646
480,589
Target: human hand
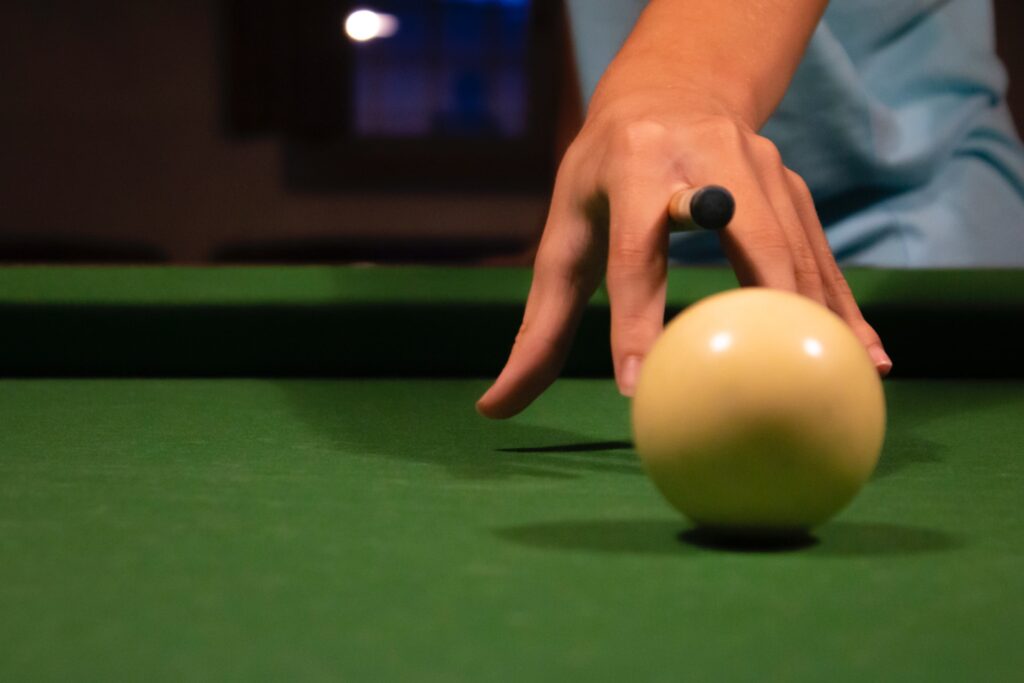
x,y
608,218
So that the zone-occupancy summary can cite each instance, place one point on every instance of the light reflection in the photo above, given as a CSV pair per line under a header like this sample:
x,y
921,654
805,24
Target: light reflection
x,y
363,25
721,341
813,347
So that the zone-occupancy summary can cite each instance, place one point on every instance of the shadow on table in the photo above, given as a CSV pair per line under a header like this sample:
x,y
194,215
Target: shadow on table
x,y
670,537
584,447
433,422
913,409
583,428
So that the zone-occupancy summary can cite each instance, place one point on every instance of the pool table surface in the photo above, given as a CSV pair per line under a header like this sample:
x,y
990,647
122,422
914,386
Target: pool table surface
x,y
277,473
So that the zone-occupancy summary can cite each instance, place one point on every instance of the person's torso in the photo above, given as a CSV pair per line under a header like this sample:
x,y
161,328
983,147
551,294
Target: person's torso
x,y
889,94
886,91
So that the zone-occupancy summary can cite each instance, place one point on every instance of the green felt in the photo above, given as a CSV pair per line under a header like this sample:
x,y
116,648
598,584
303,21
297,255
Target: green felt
x,y
290,285
420,321
380,530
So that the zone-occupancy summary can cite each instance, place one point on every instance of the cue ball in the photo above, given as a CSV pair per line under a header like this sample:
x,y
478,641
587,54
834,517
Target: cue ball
x,y
758,412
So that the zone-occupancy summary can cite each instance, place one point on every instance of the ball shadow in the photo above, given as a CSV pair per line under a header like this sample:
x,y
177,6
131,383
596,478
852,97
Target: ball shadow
x,y
671,537
714,540
905,450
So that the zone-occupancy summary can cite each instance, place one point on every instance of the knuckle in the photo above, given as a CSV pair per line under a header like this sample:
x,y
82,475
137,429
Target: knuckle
x,y
522,332
639,136
765,239
805,264
773,255
766,151
777,254
837,285
573,156
808,279
839,292
631,321
533,338
864,331
797,183
560,266
627,262
799,190
631,329
636,250
806,268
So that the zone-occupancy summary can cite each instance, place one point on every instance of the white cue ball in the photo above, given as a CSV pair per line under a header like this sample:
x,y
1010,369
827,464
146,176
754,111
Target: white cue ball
x,y
758,412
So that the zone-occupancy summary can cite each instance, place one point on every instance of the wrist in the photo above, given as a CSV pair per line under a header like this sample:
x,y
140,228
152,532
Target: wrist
x,y
648,76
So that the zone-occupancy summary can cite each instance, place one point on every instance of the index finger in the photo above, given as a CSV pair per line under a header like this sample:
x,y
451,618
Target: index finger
x,y
566,273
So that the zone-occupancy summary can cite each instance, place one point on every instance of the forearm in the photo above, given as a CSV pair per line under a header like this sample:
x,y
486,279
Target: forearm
x,y
738,54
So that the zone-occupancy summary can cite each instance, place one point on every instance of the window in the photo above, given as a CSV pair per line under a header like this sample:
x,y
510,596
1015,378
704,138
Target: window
x,y
393,94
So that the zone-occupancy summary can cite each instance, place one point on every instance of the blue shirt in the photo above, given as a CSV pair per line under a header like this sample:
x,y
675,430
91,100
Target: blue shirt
x,y
897,120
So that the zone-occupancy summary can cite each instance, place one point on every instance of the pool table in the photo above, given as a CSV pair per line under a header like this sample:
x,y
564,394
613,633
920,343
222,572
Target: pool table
x,y
277,473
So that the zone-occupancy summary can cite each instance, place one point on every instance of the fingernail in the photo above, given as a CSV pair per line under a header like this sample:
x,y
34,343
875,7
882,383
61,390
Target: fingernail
x,y
627,375
881,359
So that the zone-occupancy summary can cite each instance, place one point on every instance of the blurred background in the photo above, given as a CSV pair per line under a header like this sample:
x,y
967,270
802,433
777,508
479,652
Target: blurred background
x,y
320,131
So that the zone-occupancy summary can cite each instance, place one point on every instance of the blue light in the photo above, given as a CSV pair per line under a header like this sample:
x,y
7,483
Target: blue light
x,y
502,3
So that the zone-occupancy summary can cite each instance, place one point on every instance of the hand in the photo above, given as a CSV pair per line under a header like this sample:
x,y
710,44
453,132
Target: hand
x,y
608,217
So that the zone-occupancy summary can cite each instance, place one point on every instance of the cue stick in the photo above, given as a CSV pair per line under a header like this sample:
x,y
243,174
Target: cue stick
x,y
710,207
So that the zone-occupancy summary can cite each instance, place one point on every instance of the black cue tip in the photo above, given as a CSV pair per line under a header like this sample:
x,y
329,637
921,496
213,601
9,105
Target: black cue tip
x,y
712,207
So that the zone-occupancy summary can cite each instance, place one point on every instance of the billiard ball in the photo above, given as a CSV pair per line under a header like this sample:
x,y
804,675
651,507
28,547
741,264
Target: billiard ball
x,y
758,412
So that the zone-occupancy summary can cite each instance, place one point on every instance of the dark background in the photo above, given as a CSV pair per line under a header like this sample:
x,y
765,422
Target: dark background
x,y
117,144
